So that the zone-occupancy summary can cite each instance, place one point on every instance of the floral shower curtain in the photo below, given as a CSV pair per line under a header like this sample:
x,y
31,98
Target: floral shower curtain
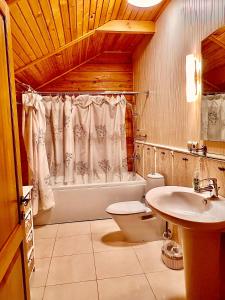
x,y
34,130
83,140
213,117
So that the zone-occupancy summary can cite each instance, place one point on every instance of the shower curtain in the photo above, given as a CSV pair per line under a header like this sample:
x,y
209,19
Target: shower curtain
x,y
73,140
213,117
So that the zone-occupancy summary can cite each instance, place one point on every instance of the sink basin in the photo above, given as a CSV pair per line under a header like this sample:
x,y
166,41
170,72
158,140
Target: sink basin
x,y
201,223
184,207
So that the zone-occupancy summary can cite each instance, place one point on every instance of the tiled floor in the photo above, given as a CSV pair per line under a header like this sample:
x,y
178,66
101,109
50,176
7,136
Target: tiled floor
x,y
91,261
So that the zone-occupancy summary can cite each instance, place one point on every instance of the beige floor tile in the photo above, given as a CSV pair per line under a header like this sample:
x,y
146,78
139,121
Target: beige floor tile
x,y
134,287
116,263
104,226
39,277
149,256
168,285
70,229
73,245
37,293
109,242
74,268
44,247
45,232
80,291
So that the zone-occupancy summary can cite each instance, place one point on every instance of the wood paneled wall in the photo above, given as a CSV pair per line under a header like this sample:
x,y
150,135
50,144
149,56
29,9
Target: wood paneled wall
x,y
107,72
178,168
159,66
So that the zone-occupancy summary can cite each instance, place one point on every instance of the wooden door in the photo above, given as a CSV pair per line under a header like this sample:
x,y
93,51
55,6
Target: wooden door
x,y
13,280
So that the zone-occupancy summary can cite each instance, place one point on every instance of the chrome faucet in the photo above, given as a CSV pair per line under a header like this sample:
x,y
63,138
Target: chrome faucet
x,y
212,187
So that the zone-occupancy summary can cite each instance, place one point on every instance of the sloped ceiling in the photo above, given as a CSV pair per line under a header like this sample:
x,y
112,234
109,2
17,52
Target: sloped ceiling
x,y
50,37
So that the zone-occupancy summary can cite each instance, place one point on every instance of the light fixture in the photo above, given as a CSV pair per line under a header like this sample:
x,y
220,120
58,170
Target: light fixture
x,y
144,3
191,78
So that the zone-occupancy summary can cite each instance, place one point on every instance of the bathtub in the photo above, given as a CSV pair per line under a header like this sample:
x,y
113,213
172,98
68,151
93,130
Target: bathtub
x,y
89,201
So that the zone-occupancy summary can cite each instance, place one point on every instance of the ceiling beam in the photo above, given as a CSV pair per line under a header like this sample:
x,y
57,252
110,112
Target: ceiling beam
x,y
68,71
55,52
116,26
128,27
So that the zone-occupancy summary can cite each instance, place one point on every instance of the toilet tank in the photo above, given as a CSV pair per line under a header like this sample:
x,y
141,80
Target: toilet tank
x,y
154,180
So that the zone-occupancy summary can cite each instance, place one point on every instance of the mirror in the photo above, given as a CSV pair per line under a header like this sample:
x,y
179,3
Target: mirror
x,y
213,86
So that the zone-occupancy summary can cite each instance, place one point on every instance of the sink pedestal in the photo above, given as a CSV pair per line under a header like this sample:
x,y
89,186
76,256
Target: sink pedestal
x,y
201,264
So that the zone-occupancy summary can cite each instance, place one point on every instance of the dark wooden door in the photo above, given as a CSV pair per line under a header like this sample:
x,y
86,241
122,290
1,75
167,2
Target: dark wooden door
x,y
13,279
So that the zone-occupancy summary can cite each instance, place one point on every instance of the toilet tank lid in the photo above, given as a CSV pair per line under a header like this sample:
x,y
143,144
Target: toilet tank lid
x,y
127,208
155,175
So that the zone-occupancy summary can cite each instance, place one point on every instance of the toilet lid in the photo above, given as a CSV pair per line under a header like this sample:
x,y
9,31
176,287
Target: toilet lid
x,y
127,208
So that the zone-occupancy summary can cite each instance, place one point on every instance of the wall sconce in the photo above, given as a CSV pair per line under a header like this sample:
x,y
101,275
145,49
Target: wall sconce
x,y
192,70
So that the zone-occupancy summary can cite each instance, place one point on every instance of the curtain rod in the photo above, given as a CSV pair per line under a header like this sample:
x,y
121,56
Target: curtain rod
x,y
94,93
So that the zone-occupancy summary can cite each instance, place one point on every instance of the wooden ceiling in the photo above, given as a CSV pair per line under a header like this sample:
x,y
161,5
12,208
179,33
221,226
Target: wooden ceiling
x,y
213,55
51,37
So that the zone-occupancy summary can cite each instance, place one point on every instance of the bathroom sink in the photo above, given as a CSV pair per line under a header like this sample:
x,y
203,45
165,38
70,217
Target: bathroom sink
x,y
184,207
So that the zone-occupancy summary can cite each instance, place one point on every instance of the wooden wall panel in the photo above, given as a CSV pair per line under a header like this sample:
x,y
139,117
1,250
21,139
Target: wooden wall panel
x,y
164,166
149,160
159,66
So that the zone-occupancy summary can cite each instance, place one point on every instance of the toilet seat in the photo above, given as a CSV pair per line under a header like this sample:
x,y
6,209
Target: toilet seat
x,y
127,208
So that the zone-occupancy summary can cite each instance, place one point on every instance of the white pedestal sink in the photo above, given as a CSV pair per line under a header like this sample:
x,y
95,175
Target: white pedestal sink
x,y
201,224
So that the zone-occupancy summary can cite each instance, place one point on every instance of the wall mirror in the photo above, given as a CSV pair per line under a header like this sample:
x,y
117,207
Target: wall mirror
x,y
213,86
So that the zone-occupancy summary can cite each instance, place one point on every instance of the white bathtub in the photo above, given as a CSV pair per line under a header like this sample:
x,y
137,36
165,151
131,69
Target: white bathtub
x,y
89,201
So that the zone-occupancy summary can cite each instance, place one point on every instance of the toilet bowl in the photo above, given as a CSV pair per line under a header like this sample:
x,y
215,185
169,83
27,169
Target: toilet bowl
x,y
135,219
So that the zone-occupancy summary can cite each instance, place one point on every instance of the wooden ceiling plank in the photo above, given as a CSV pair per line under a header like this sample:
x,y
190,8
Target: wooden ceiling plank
x,y
116,9
87,47
133,14
160,10
73,18
65,19
17,60
91,50
127,12
110,10
122,10
86,15
28,16
92,14
140,13
16,32
34,62
40,19
216,41
80,12
18,17
98,13
46,9
116,26
58,21
104,12
128,26
11,2
93,86
66,72
91,67
19,51
101,77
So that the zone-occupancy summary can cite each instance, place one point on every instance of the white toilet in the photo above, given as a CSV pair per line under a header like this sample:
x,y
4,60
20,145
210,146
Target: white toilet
x,y
135,219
